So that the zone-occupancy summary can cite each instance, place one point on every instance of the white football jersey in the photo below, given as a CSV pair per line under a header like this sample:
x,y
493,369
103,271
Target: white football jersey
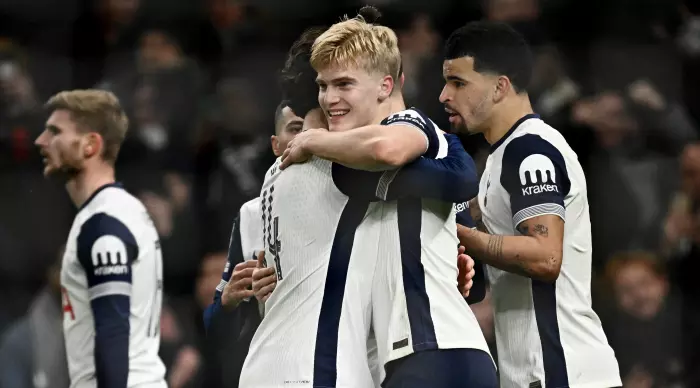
x,y
251,220
111,277
547,333
316,323
416,303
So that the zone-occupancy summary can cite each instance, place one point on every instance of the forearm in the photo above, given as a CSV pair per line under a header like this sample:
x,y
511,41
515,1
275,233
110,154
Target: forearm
x,y
522,255
369,148
111,341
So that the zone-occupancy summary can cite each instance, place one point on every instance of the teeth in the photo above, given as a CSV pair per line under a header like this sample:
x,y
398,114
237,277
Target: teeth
x,y
337,113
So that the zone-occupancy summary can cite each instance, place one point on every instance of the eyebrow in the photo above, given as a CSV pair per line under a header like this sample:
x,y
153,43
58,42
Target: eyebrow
x,y
455,78
336,80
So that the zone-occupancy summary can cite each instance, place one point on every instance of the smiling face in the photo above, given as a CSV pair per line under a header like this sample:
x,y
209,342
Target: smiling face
x,y
467,95
350,96
61,145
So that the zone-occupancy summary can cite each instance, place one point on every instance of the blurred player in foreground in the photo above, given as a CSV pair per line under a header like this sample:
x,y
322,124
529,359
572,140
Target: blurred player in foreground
x,y
426,333
111,275
539,270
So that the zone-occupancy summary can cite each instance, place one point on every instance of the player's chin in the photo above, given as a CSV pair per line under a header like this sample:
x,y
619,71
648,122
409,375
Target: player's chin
x,y
341,123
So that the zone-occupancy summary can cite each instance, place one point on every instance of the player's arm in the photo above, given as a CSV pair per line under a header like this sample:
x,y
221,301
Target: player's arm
x,y
235,270
478,291
398,140
106,250
537,209
450,179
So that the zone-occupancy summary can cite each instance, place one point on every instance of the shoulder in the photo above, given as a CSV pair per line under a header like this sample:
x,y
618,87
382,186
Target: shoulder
x,y
533,158
407,116
251,207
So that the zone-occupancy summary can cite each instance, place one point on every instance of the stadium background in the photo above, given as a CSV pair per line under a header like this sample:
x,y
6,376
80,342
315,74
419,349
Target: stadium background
x,y
619,78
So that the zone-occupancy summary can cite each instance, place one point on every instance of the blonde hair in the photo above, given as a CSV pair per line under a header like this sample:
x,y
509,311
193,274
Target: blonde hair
x,y
95,111
355,42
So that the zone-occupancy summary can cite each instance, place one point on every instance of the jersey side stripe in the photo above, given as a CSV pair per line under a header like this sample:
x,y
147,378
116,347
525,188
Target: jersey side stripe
x,y
544,299
326,350
410,216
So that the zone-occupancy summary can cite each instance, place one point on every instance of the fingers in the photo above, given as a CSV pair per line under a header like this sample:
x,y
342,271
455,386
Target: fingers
x,y
239,295
262,273
264,294
462,265
461,250
467,288
242,274
245,265
286,158
261,259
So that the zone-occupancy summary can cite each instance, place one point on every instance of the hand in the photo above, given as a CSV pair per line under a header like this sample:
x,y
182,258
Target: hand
x,y
642,92
296,151
237,287
465,277
264,279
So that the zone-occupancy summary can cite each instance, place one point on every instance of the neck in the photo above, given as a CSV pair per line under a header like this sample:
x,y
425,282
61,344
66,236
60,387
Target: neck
x,y
85,183
395,103
506,116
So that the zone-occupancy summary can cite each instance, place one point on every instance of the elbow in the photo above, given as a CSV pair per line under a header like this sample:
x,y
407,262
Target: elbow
x,y
466,185
387,153
549,268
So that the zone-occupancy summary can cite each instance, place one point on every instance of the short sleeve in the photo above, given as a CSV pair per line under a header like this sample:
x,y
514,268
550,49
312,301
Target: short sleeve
x,y
535,176
107,250
413,117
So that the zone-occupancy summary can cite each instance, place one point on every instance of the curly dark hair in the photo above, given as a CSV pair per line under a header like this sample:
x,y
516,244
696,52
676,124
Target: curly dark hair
x,y
298,78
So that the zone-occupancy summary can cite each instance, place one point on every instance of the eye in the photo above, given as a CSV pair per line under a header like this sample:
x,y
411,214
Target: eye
x,y
344,85
294,130
322,87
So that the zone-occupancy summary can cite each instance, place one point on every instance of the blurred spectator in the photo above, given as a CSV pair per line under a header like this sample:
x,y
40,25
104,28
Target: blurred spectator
x,y
32,352
180,356
232,156
160,91
20,109
167,197
647,331
103,36
637,132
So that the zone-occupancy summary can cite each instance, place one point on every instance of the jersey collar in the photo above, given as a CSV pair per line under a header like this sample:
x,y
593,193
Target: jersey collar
x,y
108,185
512,129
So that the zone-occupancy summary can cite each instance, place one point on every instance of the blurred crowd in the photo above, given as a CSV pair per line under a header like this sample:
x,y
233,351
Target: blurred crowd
x,y
619,78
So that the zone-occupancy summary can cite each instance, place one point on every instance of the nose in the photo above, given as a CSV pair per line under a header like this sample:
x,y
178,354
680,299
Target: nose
x,y
41,140
444,95
330,97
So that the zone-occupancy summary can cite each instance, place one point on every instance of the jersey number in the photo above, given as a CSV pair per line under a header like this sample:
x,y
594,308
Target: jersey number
x,y
271,230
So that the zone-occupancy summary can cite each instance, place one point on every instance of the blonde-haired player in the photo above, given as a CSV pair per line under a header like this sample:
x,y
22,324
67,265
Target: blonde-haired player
x,y
426,333
111,274
323,251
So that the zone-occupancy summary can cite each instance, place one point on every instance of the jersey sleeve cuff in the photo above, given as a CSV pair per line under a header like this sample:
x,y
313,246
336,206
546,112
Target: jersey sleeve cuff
x,y
539,210
419,129
109,288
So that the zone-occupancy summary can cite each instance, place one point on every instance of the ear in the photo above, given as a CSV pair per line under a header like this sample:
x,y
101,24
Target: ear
x,y
93,145
386,87
503,87
275,145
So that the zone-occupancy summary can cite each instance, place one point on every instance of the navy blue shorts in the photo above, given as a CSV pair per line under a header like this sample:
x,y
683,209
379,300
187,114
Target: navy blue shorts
x,y
448,368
